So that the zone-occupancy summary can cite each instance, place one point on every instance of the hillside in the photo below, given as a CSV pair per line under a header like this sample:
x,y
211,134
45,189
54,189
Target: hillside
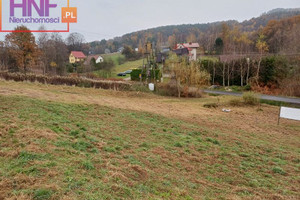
x,y
167,35
61,142
276,14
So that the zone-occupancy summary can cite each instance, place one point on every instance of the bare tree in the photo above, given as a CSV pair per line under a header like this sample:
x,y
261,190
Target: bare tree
x,y
75,42
248,71
242,71
54,53
3,57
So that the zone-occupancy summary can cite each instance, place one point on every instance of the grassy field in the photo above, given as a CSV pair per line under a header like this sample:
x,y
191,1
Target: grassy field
x,y
123,67
61,142
114,57
127,66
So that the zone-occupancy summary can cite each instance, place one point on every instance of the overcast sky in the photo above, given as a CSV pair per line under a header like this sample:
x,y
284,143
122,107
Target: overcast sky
x,y
105,19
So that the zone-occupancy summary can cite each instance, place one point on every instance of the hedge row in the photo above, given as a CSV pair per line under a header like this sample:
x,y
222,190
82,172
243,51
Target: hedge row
x,y
64,80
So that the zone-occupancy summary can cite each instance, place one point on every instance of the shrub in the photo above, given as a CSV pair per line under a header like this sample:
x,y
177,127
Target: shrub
x,y
250,98
210,105
247,88
166,89
235,102
192,92
121,60
140,88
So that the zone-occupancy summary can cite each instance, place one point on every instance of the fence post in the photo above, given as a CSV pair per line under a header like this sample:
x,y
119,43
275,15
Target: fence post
x,y
279,115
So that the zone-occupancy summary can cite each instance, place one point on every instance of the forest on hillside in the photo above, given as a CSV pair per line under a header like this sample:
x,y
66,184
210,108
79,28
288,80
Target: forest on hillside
x,y
207,34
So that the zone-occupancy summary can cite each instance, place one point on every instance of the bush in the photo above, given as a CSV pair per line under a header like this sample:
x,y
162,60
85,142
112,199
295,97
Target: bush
x,y
235,102
166,90
210,105
130,54
140,88
192,92
247,88
121,60
250,99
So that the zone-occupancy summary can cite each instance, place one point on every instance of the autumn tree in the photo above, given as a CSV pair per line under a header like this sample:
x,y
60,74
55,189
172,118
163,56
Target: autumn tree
x,y
172,41
225,34
191,38
3,56
186,74
283,36
22,48
129,53
262,48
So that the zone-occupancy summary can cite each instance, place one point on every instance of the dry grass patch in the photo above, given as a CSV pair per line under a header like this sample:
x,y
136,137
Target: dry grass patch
x,y
91,144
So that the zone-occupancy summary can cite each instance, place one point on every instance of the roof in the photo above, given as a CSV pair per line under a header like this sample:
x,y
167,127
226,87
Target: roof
x,y
191,45
78,54
90,57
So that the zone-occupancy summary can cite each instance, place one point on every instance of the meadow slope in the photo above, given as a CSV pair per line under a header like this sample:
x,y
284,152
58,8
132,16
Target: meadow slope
x,y
59,142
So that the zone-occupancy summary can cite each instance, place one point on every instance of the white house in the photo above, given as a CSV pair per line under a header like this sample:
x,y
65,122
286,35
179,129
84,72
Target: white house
x,y
98,59
192,47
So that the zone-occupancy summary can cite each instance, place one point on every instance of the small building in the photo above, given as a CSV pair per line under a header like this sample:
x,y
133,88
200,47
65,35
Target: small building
x,y
77,57
98,59
192,48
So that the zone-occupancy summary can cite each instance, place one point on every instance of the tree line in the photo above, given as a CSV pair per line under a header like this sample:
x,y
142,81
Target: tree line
x,y
47,54
204,34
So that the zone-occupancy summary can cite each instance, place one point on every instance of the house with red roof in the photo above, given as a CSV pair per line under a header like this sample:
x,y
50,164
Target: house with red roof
x,y
192,48
77,57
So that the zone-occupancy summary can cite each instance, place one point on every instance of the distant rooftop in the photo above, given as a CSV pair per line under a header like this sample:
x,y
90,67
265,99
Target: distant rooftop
x,y
78,54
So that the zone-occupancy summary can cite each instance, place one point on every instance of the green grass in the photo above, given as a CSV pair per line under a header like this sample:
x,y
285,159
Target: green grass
x,y
127,66
123,67
113,56
51,150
